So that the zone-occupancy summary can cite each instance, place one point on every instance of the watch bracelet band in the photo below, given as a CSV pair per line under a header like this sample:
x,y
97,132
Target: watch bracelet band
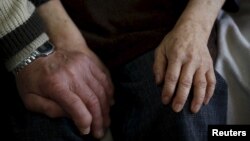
x,y
32,57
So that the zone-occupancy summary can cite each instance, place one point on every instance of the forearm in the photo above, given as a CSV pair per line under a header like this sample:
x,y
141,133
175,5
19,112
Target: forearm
x,y
59,25
201,14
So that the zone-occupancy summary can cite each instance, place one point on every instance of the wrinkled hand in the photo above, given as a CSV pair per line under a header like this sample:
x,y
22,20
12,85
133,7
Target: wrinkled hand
x,y
182,60
71,83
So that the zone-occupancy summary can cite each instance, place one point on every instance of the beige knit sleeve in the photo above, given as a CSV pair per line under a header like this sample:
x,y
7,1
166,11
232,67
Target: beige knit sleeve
x,y
21,31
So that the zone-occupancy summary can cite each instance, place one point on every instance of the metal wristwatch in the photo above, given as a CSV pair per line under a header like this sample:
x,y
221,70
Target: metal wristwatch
x,y
44,50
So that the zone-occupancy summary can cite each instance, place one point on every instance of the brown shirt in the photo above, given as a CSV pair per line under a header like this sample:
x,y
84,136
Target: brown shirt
x,y
120,30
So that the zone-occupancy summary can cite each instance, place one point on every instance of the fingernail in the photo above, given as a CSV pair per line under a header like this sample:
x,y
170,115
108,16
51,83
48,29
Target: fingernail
x,y
195,108
85,131
177,107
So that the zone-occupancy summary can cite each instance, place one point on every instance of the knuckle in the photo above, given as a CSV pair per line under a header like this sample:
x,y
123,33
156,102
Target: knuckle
x,y
194,58
212,83
171,78
74,102
201,84
49,81
52,85
186,83
55,86
101,94
57,92
176,55
93,101
200,98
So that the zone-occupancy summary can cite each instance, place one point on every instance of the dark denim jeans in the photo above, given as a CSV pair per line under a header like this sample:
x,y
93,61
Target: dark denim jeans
x,y
138,114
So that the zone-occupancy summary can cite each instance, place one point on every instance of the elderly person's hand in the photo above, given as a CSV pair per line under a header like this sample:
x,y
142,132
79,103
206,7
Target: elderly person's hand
x,y
68,83
182,59
71,82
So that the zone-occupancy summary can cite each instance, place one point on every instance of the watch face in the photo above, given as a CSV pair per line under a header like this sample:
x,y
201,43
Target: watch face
x,y
45,49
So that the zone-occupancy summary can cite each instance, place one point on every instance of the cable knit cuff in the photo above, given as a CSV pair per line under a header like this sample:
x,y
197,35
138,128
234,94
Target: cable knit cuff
x,y
25,52
21,31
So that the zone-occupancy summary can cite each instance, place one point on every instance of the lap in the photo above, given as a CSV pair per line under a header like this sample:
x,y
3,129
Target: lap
x,y
138,113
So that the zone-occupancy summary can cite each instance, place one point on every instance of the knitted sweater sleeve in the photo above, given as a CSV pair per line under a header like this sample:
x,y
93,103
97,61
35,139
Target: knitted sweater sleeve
x,y
21,31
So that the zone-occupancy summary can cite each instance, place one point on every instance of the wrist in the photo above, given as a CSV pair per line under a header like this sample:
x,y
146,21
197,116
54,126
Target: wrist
x,y
59,26
42,51
200,16
190,28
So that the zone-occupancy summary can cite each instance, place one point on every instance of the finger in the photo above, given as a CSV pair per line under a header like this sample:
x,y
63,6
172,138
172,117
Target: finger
x,y
93,104
184,86
99,91
171,79
211,80
159,66
43,105
200,85
74,106
104,80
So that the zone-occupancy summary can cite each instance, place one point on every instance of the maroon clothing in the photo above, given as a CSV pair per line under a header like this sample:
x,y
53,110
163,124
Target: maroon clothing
x,y
120,30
